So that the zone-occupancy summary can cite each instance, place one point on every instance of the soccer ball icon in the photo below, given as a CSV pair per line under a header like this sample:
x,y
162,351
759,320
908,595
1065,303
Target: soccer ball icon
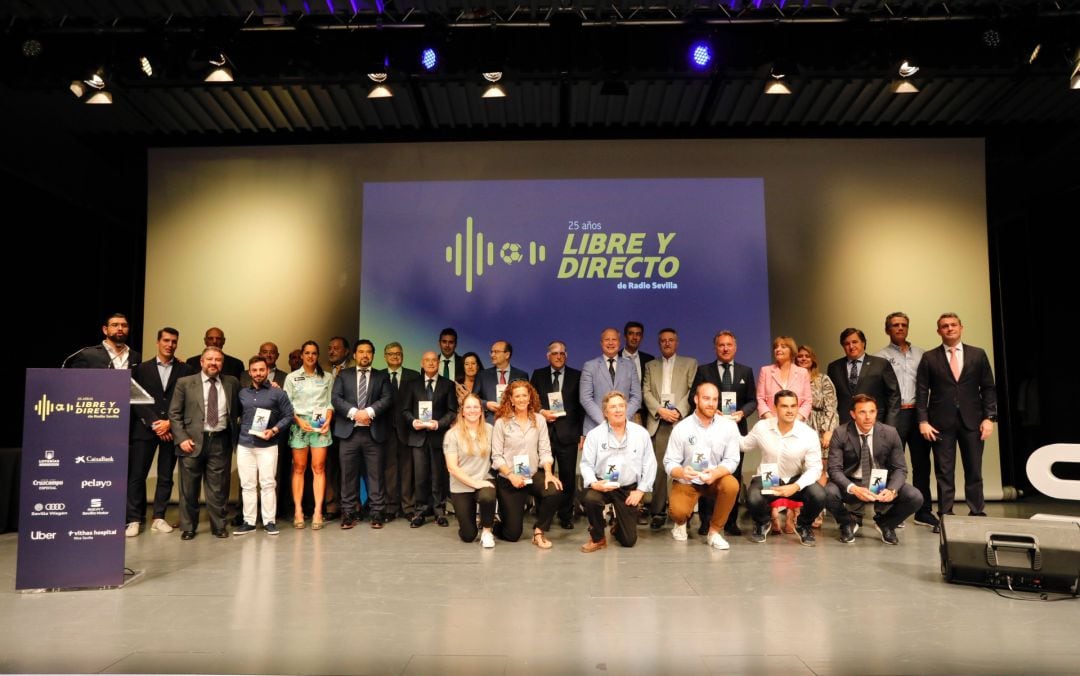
x,y
511,253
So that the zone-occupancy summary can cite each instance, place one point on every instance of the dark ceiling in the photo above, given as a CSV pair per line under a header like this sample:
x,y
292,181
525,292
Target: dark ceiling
x,y
573,68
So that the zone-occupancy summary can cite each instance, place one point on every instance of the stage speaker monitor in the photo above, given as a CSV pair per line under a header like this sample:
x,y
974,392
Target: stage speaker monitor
x,y
1017,554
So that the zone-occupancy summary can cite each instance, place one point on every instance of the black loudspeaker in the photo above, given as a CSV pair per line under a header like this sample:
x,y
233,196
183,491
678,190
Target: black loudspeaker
x,y
1017,554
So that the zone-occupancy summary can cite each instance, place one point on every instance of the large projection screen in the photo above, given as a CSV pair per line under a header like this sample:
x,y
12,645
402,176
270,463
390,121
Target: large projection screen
x,y
268,242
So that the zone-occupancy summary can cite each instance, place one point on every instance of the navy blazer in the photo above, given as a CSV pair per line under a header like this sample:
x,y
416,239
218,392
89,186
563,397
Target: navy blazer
x,y
489,381
144,415
380,397
742,381
876,378
596,382
567,429
444,409
845,455
938,396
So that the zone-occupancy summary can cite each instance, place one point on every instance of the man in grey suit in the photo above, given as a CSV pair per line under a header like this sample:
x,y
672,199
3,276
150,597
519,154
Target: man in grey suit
x,y
956,404
363,417
203,418
855,451
495,379
606,373
860,373
666,392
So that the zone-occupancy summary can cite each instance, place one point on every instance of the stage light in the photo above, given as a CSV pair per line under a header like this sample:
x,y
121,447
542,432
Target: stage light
x,y
220,71
776,85
494,90
146,67
429,59
701,55
907,69
100,98
95,85
1034,53
904,84
380,90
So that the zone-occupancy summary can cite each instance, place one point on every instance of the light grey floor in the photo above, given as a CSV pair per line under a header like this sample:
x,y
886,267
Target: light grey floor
x,y
403,601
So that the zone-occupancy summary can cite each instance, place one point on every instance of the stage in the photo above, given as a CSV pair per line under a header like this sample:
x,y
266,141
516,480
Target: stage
x,y
418,601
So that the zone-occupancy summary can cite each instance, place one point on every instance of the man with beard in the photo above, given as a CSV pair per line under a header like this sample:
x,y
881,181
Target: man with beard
x,y
112,353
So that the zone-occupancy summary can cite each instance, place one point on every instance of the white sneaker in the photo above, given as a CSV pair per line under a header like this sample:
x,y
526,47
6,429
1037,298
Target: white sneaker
x,y
717,541
132,529
487,540
161,526
678,531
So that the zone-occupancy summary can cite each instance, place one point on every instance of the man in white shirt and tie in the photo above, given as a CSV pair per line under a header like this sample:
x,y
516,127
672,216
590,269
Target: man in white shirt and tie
x,y
494,380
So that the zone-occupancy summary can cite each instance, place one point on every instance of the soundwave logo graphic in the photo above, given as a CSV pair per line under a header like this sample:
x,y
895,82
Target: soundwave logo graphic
x,y
45,407
471,253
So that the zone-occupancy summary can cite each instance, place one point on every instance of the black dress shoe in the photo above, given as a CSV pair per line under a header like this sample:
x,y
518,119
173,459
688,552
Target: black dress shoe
x,y
187,535
977,514
376,522
223,533
566,524
417,521
657,522
442,521
733,530
936,529
348,521
888,535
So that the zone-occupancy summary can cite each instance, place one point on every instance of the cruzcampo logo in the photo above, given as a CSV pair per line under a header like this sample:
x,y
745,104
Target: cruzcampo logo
x,y
472,254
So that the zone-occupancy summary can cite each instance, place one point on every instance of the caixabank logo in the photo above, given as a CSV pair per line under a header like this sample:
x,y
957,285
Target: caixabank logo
x,y
86,407
634,260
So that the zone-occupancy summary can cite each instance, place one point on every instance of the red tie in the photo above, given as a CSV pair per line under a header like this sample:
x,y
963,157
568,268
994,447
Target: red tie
x,y
502,377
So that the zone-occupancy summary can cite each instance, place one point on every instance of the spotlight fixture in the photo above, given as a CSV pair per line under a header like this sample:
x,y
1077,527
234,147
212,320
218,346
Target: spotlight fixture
x,y
1074,79
220,70
379,90
95,84
494,90
776,84
31,48
991,38
429,59
1034,53
146,67
904,84
701,55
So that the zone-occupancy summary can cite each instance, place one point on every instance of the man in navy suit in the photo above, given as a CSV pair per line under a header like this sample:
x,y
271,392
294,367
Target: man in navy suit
x,y
606,373
855,451
860,373
728,376
451,364
111,353
956,404
564,431
398,468
501,374
431,482
363,402
150,432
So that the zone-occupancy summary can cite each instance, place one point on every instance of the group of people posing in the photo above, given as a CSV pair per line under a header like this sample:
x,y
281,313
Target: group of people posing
x,y
491,440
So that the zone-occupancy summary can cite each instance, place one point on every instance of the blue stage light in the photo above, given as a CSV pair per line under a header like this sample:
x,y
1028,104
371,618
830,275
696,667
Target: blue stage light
x,y
429,59
701,55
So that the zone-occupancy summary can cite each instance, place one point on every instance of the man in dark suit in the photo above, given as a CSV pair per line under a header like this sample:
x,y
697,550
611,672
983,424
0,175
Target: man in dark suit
x,y
861,373
398,468
150,434
275,376
956,404
564,430
112,353
728,376
431,480
633,333
855,451
215,337
363,417
451,364
495,379
203,418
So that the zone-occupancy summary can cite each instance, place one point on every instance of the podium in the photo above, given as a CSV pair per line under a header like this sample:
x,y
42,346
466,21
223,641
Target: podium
x,y
73,489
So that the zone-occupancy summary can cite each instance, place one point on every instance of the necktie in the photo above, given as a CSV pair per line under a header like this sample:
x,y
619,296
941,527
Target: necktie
x,y
212,405
954,363
446,368
725,380
611,369
853,377
555,381
865,464
393,380
361,389
502,377
431,388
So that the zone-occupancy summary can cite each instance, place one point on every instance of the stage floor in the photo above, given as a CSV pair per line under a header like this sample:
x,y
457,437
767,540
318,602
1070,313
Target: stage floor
x,y
418,601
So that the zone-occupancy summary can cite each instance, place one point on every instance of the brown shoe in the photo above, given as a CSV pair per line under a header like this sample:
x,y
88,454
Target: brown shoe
x,y
540,541
590,546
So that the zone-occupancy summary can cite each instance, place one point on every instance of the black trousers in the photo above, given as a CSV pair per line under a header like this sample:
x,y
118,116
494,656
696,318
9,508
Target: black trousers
x,y
625,528
210,468
431,481
397,476
908,501
760,506
359,452
566,465
907,426
141,458
512,505
465,511
971,453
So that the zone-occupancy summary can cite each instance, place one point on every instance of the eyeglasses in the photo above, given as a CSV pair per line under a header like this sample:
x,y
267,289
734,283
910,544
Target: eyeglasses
x,y
392,354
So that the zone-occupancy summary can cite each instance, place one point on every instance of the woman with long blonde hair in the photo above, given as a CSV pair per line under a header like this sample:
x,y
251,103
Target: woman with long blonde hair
x,y
467,447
